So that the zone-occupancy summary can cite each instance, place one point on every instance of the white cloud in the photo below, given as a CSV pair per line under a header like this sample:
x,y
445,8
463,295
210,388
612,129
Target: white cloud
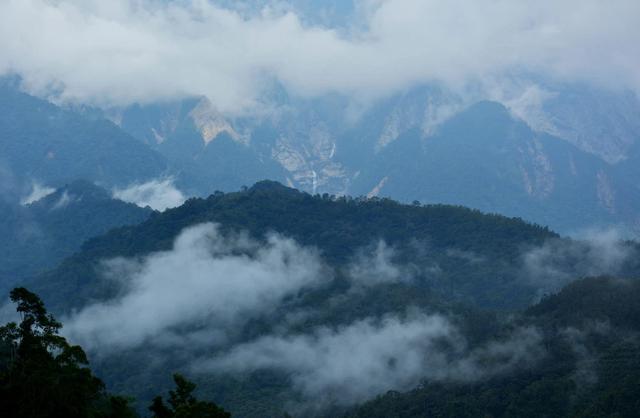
x,y
64,201
558,262
157,194
355,362
122,51
206,286
374,265
38,191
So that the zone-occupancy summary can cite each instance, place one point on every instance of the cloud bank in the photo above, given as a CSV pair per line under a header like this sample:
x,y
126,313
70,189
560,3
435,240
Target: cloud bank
x,y
38,191
353,363
558,262
157,194
207,284
124,51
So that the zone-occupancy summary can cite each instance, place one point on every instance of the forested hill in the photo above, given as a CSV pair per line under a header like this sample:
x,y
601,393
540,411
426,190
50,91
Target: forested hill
x,y
591,365
336,225
452,237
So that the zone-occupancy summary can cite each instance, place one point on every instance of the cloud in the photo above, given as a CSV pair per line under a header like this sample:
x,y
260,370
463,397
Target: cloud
x,y
38,191
205,286
374,265
355,362
64,201
157,194
560,261
124,51
197,298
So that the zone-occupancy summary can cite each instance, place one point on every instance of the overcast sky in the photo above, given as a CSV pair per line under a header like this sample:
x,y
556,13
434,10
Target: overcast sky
x,y
121,51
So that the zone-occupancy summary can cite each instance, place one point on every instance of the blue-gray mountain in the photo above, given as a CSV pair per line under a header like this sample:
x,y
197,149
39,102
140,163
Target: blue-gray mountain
x,y
45,143
568,157
38,235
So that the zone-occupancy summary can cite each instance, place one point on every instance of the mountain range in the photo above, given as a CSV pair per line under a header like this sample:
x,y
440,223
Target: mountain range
x,y
567,160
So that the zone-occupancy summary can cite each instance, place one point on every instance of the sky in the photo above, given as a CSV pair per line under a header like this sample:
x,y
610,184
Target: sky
x,y
124,51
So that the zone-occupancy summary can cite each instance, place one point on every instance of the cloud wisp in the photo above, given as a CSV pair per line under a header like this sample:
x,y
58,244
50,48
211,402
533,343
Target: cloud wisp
x,y
207,281
560,261
125,51
350,364
375,265
38,191
159,194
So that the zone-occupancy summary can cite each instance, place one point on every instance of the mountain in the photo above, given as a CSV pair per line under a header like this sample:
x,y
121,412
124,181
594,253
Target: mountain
x,y
200,144
42,142
485,159
339,227
290,284
39,235
558,155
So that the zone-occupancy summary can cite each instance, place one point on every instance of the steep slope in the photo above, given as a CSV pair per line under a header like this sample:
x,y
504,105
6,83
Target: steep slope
x,y
40,141
485,159
200,144
560,155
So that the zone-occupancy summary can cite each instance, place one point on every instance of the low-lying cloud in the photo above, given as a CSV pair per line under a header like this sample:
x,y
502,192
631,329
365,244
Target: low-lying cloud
x,y
375,265
350,364
124,51
38,191
159,194
560,261
206,284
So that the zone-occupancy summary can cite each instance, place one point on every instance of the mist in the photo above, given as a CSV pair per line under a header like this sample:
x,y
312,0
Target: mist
x,y
207,284
558,262
38,191
158,194
353,363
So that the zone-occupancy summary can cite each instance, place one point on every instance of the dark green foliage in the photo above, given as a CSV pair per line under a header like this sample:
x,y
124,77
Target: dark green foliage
x,y
592,367
184,405
603,299
478,256
41,375
339,227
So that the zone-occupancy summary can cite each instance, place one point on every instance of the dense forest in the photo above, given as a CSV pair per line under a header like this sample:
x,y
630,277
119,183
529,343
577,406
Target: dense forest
x,y
449,236
42,375
486,311
592,365
590,368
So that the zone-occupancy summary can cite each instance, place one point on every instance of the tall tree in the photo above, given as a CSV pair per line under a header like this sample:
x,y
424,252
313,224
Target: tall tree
x,y
42,375
184,405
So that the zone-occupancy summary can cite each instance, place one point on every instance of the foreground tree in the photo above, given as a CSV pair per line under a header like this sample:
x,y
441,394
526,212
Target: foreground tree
x,y
184,405
42,375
